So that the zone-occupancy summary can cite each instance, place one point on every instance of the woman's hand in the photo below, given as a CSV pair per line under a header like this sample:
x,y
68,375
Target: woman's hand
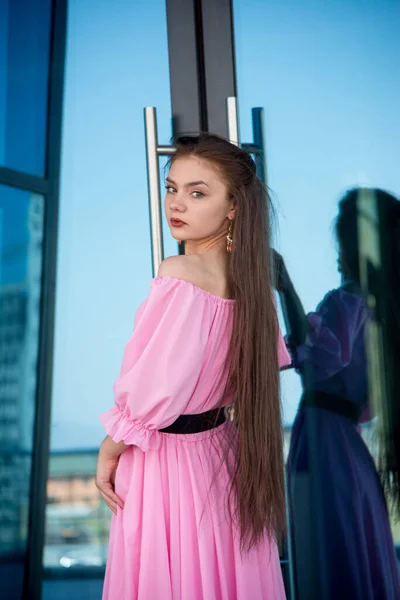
x,y
280,276
107,464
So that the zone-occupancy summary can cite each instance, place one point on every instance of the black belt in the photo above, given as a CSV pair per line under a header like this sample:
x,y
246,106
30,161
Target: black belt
x,y
333,403
196,423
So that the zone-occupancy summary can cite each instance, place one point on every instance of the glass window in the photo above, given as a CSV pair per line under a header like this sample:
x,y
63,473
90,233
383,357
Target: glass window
x,y
24,73
21,233
116,64
324,74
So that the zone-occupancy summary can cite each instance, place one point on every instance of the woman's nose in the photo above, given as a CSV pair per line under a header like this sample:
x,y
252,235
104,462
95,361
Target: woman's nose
x,y
176,204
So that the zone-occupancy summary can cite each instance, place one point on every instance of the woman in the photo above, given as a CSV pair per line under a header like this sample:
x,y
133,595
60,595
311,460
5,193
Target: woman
x,y
198,501
342,543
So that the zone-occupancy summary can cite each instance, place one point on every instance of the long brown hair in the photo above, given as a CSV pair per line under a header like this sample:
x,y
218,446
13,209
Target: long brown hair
x,y
252,369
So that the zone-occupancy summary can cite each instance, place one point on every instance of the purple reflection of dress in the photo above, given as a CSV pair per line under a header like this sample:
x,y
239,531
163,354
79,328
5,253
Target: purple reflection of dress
x,y
342,542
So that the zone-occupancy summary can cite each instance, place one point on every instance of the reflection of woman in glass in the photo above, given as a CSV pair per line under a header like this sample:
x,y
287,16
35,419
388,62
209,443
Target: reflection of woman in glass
x,y
206,337
342,543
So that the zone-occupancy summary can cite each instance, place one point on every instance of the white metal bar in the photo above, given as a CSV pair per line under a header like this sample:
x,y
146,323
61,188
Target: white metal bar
x,y
232,120
153,177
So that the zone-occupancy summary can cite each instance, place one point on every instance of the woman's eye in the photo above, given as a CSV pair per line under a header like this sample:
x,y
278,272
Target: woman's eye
x,y
170,190
198,194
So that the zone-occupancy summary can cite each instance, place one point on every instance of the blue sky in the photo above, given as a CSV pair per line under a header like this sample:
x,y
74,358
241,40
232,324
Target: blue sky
x,y
325,74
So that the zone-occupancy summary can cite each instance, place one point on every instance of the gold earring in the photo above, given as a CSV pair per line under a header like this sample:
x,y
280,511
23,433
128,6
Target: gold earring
x,y
229,239
179,242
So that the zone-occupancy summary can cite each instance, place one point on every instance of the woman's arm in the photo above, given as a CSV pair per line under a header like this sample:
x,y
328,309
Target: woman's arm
x,y
107,464
294,313
111,449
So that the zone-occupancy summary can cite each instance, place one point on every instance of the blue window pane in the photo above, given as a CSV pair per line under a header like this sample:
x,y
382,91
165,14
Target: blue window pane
x,y
24,74
21,232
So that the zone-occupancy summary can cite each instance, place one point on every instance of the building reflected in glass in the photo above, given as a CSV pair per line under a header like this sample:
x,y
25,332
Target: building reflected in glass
x,y
20,290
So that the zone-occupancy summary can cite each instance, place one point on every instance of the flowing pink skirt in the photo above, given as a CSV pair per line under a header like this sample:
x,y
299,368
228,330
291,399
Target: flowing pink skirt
x,y
174,539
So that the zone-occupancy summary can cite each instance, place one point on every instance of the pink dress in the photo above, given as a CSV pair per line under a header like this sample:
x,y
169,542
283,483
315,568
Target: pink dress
x,y
174,539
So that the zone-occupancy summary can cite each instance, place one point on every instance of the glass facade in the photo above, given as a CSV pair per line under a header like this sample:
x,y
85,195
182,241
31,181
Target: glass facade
x,y
28,197
24,76
324,75
329,124
323,72
21,235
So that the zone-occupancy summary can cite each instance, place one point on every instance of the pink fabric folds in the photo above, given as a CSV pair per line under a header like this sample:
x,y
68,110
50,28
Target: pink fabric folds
x,y
174,539
173,362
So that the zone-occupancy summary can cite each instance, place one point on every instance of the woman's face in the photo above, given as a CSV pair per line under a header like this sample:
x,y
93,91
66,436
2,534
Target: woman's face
x,y
197,204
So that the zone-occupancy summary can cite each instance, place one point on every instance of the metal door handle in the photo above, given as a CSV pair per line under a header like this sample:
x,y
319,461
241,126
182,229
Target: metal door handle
x,y
153,151
232,120
257,147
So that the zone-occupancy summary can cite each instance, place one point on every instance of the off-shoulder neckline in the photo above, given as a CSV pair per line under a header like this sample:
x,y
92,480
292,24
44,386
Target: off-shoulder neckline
x,y
219,299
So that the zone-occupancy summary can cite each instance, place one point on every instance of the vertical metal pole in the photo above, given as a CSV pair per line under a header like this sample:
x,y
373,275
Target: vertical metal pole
x,y
232,120
257,116
153,177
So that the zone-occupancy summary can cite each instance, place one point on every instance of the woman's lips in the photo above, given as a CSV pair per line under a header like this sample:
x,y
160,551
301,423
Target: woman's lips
x,y
177,223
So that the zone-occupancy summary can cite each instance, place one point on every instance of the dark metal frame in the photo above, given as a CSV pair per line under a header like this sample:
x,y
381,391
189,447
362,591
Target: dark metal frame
x,y
49,187
23,181
202,64
219,61
186,66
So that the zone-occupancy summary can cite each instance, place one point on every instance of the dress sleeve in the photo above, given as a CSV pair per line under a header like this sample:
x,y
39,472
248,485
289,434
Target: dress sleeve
x,y
334,328
161,364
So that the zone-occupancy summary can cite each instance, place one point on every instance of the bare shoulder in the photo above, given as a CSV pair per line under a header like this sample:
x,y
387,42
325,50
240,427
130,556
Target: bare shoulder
x,y
187,268
194,270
